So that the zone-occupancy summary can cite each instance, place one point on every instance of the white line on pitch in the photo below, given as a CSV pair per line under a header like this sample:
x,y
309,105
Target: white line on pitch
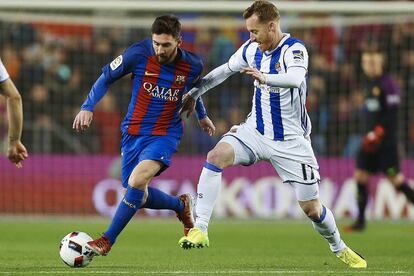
x,y
221,272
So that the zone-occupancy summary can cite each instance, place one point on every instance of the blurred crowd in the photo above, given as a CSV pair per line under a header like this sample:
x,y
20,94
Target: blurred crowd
x,y
55,65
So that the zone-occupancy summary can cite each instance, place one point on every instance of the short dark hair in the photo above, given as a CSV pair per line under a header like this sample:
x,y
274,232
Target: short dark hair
x,y
264,10
167,24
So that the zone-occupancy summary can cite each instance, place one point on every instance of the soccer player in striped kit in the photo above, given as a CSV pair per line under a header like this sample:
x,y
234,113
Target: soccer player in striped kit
x,y
277,129
161,74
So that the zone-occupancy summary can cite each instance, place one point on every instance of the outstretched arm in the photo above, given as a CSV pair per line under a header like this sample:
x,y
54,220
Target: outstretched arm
x,y
84,118
212,79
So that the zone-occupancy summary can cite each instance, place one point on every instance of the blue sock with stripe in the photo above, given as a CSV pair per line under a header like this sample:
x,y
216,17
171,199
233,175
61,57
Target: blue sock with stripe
x,y
126,210
157,199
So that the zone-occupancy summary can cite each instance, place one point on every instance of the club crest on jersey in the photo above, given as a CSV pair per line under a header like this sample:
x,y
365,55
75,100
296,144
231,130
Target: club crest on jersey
x,y
298,55
180,80
116,62
278,67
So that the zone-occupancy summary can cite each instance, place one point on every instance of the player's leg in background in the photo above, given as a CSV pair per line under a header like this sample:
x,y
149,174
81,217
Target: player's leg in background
x,y
366,164
390,165
362,179
398,180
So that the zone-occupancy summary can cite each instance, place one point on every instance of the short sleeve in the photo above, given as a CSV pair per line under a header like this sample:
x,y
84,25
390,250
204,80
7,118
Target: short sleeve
x,y
238,60
296,56
3,72
124,63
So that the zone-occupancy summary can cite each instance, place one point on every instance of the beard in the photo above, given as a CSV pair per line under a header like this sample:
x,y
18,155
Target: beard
x,y
163,59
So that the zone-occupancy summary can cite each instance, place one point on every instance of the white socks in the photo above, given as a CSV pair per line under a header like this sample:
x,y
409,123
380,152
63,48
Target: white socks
x,y
207,192
326,226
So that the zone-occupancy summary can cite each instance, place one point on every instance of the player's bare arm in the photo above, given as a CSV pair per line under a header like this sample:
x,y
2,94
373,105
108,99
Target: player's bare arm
x,y
16,151
83,120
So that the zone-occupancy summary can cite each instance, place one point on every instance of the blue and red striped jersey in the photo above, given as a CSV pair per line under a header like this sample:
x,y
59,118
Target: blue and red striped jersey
x,y
157,89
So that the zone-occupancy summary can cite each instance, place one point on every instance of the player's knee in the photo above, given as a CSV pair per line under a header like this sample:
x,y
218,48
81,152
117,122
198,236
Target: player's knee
x,y
312,211
214,157
221,156
396,179
313,214
140,181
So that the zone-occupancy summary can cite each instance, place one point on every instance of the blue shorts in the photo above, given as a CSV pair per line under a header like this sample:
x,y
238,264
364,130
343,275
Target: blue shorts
x,y
135,149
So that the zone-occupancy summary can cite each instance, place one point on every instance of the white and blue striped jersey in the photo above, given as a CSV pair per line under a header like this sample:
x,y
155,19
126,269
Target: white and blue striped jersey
x,y
277,113
3,72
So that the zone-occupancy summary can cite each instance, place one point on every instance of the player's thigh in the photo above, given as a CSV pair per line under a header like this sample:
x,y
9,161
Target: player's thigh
x,y
389,160
305,192
294,161
368,162
222,155
143,172
136,149
244,143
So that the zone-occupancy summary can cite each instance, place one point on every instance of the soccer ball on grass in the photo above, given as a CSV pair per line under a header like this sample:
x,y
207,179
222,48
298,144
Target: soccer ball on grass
x,y
73,251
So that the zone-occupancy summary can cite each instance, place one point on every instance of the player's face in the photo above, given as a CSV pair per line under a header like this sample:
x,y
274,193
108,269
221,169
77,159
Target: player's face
x,y
165,47
260,33
372,64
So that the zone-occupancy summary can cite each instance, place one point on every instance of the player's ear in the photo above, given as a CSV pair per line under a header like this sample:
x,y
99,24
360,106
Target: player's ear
x,y
272,26
179,40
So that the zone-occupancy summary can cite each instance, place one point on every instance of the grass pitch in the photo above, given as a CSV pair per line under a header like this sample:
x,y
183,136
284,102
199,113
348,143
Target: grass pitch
x,y
237,247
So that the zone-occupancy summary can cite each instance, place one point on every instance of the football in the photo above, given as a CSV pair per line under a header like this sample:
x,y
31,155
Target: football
x,y
73,251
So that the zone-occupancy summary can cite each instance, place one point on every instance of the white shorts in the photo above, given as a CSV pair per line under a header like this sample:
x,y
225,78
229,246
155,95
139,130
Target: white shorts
x,y
293,159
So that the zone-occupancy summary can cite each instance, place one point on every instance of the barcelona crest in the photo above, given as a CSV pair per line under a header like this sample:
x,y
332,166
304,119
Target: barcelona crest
x,y
180,80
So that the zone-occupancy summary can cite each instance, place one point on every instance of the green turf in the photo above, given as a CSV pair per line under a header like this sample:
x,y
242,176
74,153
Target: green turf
x,y
149,247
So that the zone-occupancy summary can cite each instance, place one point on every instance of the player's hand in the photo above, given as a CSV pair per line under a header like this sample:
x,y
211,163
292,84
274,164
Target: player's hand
x,y
16,153
256,74
207,125
188,105
372,139
82,121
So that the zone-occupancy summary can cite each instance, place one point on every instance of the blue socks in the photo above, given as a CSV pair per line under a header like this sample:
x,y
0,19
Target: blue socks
x,y
157,199
132,202
126,210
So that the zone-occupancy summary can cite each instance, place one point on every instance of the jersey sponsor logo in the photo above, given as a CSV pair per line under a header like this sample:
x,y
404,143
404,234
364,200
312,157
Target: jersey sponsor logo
x,y
265,87
180,80
147,73
298,56
116,62
160,92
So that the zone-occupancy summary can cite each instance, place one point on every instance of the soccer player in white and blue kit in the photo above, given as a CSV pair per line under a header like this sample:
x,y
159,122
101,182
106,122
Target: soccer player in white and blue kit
x,y
277,129
16,151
